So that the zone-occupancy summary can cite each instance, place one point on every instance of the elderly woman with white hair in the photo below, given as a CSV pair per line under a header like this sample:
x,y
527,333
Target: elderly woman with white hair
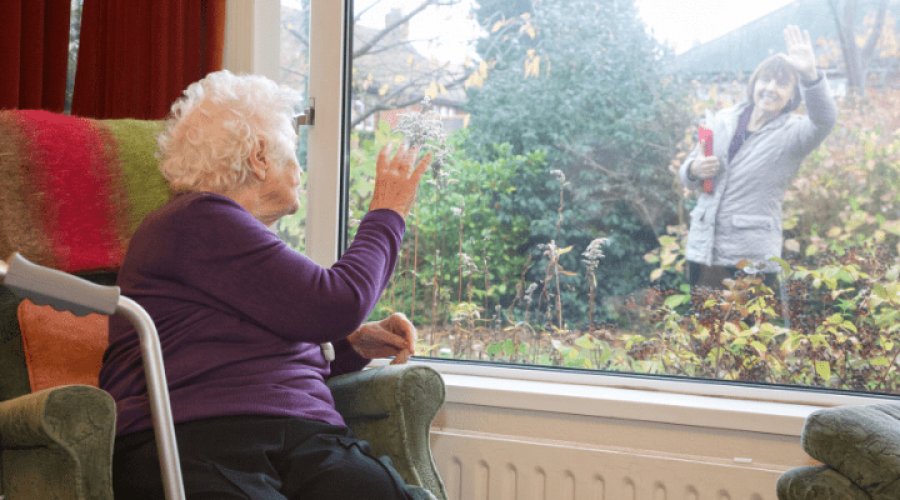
x,y
758,148
250,329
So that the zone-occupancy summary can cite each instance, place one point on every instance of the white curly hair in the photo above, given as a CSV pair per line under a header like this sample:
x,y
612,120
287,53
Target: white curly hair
x,y
251,110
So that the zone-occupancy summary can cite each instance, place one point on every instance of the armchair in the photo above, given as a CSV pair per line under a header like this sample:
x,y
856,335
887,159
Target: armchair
x,y
75,211
859,447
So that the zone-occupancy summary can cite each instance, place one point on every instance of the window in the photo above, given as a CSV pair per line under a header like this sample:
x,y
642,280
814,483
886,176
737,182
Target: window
x,y
294,73
554,229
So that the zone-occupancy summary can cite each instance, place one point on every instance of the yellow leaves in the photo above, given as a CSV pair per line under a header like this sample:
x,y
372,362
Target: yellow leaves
x,y
409,61
892,226
501,24
532,64
527,27
474,79
477,77
434,89
529,30
792,245
383,90
367,82
399,79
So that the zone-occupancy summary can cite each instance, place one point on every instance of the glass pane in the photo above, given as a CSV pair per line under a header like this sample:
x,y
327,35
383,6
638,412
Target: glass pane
x,y
559,226
295,74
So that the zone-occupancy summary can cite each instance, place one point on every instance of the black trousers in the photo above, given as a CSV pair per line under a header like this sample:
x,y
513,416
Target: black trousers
x,y
260,458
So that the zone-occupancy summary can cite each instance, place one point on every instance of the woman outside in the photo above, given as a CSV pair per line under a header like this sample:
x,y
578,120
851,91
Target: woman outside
x,y
759,146
250,329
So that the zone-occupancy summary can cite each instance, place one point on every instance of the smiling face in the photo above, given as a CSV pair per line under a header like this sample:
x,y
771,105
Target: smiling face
x,y
772,93
773,86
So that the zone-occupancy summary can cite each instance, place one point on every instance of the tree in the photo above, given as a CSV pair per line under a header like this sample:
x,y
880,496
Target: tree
x,y
388,72
583,81
857,58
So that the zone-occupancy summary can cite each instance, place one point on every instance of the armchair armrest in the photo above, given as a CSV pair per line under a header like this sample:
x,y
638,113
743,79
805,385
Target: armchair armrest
x,y
58,440
860,442
817,482
392,408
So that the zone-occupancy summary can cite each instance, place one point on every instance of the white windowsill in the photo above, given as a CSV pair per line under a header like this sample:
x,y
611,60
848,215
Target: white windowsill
x,y
657,400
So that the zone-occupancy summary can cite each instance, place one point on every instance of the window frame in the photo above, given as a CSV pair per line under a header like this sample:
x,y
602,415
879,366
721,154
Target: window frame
x,y
328,149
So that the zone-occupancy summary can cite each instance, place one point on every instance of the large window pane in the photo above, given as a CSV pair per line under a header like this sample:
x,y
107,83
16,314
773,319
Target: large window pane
x,y
559,226
295,74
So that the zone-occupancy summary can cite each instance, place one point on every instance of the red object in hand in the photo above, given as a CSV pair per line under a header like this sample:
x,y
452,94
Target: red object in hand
x,y
706,138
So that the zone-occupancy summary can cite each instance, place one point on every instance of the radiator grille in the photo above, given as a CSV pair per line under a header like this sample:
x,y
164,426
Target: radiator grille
x,y
480,466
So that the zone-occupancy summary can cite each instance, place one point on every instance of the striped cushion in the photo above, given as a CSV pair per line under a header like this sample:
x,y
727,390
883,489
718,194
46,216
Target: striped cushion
x,y
74,190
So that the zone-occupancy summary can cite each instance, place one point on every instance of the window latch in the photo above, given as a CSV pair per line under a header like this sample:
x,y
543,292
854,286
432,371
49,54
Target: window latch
x,y
308,117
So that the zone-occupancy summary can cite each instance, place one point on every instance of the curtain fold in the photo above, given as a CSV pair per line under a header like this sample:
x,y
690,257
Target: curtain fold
x,y
34,35
136,57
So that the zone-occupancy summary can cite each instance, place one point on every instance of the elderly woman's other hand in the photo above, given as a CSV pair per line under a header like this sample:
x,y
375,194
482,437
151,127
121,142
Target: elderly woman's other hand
x,y
800,52
394,336
395,185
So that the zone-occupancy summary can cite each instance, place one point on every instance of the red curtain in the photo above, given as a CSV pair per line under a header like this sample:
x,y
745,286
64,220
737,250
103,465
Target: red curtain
x,y
137,56
34,36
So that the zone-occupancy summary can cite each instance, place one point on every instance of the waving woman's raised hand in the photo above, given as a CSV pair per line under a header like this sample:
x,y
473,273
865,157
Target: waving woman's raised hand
x,y
800,52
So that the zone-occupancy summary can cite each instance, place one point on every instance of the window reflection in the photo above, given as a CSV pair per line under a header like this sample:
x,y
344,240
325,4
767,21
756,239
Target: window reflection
x,y
559,226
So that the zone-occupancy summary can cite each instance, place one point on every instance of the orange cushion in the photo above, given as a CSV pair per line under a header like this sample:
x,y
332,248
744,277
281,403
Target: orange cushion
x,y
61,348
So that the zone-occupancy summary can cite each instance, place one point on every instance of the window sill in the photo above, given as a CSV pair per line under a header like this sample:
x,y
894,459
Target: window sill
x,y
649,399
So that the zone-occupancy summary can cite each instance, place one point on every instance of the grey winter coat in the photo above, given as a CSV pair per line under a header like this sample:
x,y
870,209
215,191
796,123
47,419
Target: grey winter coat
x,y
741,219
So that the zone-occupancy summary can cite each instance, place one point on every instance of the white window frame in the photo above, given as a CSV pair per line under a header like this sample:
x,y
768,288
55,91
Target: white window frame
x,y
634,397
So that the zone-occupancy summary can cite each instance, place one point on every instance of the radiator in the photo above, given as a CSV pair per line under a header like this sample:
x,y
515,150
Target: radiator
x,y
482,466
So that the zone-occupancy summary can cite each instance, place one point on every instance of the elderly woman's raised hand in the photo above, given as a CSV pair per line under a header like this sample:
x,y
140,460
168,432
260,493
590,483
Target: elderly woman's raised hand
x,y
800,52
395,181
394,336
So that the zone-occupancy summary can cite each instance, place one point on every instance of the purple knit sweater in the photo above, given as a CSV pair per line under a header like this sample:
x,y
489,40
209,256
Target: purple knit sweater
x,y
240,315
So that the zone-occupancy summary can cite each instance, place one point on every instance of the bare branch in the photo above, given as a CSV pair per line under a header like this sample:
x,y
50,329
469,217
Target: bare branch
x,y
648,219
590,161
382,107
302,75
837,21
869,48
299,36
387,29
361,13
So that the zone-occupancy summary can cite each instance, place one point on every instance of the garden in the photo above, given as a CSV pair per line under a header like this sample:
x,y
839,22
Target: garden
x,y
550,231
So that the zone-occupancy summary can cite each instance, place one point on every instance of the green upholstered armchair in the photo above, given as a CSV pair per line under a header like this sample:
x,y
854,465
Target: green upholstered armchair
x,y
57,443
859,447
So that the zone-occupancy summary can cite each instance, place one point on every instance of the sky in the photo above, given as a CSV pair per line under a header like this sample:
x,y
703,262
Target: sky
x,y
684,22
681,23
